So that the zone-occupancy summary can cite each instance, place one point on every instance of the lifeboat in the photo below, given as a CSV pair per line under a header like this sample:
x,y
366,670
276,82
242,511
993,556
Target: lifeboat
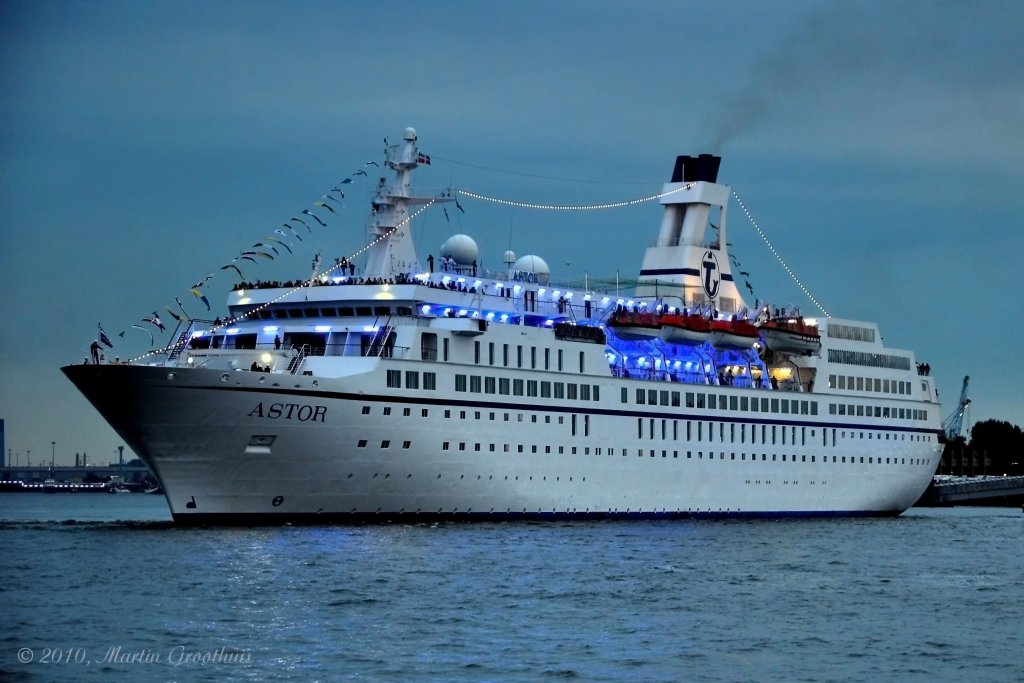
x,y
733,334
628,325
791,335
684,329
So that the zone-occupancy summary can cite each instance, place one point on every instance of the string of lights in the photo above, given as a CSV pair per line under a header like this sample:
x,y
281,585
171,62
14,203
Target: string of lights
x,y
778,256
572,207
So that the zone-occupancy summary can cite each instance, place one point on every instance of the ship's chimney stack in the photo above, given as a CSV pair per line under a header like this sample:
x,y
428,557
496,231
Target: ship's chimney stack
x,y
690,169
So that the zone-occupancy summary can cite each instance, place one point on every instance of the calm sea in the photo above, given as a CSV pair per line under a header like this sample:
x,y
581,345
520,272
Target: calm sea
x,y
101,588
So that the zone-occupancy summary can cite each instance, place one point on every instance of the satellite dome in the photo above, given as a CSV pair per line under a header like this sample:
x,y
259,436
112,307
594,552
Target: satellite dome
x,y
533,264
509,258
410,133
462,249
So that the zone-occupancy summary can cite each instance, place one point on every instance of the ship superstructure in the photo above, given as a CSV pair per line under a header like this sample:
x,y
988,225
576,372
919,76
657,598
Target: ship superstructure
x,y
422,390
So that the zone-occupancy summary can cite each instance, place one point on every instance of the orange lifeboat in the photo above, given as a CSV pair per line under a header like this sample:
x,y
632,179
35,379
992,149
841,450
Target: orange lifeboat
x,y
684,328
629,325
791,335
733,334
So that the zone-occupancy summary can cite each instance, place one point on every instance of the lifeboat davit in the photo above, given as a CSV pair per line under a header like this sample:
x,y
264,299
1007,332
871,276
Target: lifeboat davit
x,y
791,335
684,329
629,325
733,334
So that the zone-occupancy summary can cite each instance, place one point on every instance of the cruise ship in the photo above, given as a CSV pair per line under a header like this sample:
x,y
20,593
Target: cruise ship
x,y
417,389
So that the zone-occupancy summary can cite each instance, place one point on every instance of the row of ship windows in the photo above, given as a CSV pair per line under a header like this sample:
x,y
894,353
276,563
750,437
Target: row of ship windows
x,y
870,384
412,380
777,435
878,411
651,452
520,356
750,404
531,387
284,312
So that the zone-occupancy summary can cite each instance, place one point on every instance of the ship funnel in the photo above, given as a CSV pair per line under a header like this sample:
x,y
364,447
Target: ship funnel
x,y
690,169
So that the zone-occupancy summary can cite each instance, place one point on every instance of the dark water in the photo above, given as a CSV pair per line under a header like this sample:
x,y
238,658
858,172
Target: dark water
x,y
932,595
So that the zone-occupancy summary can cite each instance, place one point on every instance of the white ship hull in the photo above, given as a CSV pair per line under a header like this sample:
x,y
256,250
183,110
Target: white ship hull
x,y
196,433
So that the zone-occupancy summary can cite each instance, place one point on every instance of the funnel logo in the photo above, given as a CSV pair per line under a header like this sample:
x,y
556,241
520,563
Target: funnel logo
x,y
710,274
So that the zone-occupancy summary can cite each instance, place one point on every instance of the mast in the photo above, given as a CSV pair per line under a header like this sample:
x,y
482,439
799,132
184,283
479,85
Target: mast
x,y
393,204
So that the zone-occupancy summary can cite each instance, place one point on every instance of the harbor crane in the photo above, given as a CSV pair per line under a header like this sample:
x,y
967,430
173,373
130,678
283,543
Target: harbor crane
x,y
953,425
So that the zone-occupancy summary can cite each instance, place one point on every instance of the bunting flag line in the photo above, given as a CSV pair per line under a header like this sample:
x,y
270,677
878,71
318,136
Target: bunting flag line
x,y
155,320
459,206
310,213
174,315
372,163
202,298
325,205
293,218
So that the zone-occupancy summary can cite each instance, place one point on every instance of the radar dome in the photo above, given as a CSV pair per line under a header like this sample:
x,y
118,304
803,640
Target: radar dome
x,y
533,264
462,249
509,258
410,133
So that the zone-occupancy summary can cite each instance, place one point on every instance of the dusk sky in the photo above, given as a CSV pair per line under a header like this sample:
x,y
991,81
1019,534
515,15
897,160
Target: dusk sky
x,y
144,145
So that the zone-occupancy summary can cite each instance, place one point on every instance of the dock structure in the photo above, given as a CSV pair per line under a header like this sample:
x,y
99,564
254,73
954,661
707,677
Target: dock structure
x,y
947,490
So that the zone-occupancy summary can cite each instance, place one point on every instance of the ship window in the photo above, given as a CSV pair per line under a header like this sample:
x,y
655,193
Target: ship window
x,y
689,399
785,406
444,346
503,386
406,444
639,428
597,392
545,389
363,310
394,378
361,444
842,381
460,382
385,444
294,313
733,403
412,379
712,401
329,311
885,386
504,355
489,385
366,410
624,395
560,360
424,413
345,311
519,356
387,410
570,390
406,412
700,400
878,385
641,397
814,408
517,387
382,310
428,346
474,384
582,358
476,352
447,413
490,353
429,381
584,392
663,398
559,390
533,357
675,398
547,359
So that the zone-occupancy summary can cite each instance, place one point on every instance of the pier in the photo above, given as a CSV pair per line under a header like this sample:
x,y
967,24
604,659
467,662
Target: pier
x,y
951,490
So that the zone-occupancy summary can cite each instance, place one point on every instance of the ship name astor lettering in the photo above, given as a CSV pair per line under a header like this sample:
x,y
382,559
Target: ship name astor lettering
x,y
290,411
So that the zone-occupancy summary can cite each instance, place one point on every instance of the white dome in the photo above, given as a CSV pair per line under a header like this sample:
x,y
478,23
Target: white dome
x,y
461,248
533,264
410,133
509,258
